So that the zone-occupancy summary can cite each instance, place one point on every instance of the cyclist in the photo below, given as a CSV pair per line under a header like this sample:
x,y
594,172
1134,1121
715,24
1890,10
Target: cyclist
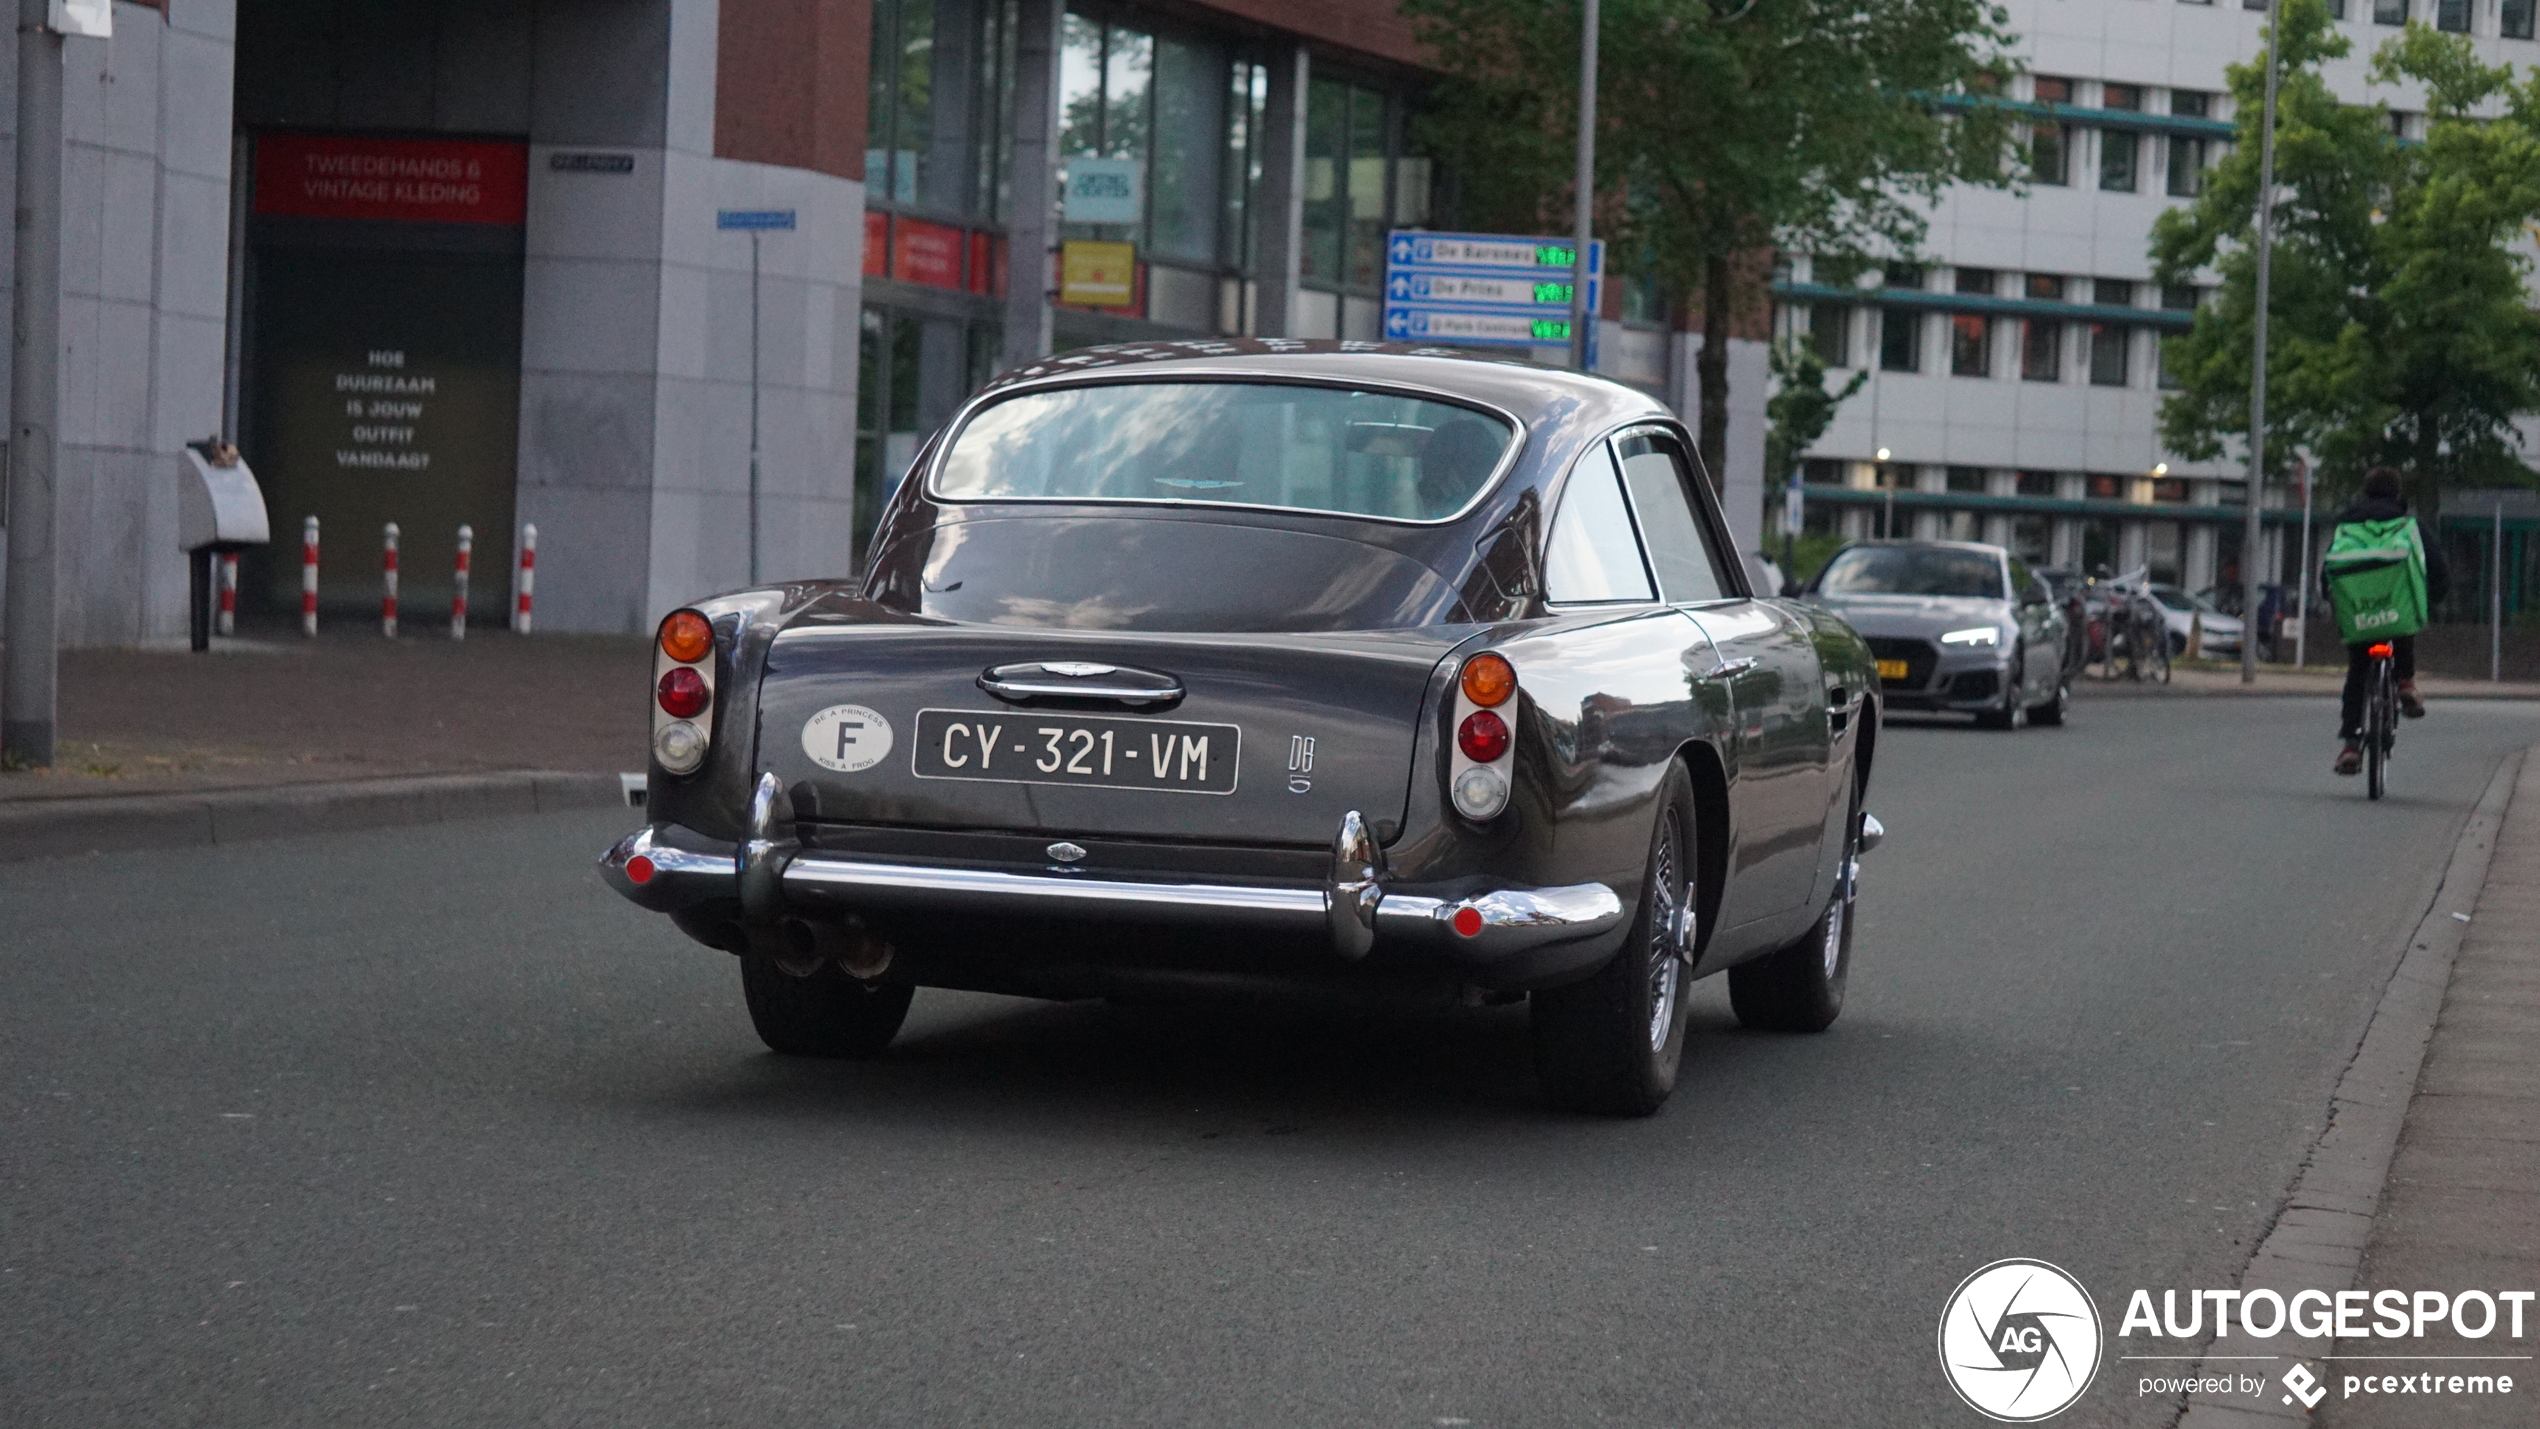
x,y
2382,578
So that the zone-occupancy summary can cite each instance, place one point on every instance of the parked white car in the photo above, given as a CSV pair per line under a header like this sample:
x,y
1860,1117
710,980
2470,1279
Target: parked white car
x,y
2181,611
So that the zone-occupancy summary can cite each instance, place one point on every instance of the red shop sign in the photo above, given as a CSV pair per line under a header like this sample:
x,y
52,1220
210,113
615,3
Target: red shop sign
x,y
877,244
405,180
928,253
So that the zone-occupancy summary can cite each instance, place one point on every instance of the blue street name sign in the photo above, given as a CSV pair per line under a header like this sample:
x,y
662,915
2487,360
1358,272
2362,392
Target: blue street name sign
x,y
1491,289
755,219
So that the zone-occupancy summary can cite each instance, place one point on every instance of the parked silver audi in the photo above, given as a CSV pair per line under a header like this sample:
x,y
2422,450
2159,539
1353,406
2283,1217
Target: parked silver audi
x,y
1954,626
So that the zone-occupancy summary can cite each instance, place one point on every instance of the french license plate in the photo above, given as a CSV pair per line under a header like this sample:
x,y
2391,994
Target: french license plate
x,y
1891,669
1030,747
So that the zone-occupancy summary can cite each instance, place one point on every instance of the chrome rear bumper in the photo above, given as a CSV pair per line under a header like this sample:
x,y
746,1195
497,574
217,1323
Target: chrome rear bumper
x,y
774,879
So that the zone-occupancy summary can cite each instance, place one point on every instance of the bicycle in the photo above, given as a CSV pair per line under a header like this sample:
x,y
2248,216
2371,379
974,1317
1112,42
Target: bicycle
x,y
2381,718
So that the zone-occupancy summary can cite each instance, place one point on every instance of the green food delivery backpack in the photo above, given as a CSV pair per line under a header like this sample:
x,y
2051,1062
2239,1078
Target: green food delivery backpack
x,y
2376,579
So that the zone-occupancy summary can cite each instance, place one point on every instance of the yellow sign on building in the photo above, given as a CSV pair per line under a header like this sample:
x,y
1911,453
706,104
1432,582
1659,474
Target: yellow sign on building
x,y
1097,275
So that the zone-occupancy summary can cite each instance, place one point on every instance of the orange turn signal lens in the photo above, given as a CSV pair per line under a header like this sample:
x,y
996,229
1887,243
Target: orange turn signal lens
x,y
686,638
1489,680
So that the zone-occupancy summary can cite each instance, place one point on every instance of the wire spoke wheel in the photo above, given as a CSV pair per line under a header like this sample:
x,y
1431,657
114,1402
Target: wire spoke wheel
x,y
1666,968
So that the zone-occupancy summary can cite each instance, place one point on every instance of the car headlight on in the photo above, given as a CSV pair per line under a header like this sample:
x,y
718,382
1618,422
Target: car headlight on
x,y
1977,635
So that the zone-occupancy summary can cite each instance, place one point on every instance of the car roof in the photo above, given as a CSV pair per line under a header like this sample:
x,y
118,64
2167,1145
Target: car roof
x,y
1526,390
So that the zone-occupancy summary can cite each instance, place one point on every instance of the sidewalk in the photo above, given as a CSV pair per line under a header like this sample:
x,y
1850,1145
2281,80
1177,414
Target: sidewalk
x,y
279,709
277,733
2223,680
2461,1210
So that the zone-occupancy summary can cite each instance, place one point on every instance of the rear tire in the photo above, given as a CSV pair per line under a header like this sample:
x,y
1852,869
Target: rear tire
x,y
2378,733
1800,988
1610,1045
827,1014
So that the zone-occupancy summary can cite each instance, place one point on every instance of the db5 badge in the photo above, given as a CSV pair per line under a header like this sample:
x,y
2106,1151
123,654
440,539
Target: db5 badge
x,y
1300,763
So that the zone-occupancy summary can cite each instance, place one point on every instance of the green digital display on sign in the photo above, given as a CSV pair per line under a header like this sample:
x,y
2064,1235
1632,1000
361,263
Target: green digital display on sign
x,y
1556,255
1552,329
1554,292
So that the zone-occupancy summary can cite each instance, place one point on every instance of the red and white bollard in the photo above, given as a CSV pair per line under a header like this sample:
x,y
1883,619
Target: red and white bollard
x,y
527,579
388,584
458,588
308,576
226,623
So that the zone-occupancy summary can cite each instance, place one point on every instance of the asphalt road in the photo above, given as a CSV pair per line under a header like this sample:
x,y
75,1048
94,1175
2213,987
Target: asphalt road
x,y
424,1126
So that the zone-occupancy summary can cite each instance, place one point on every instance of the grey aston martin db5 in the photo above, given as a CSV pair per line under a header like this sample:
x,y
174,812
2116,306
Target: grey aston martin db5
x,y
1955,626
1188,667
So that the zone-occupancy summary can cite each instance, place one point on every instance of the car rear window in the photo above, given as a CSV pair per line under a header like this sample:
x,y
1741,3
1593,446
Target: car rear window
x,y
1283,445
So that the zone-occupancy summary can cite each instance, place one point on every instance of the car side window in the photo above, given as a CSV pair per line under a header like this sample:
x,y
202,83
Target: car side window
x,y
2021,581
1688,568
1593,554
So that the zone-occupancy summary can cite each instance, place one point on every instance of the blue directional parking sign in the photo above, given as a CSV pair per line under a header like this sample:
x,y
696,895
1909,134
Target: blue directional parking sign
x,y
1489,289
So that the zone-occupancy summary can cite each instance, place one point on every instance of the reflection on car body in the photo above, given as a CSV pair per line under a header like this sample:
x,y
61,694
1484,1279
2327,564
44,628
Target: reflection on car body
x,y
1459,648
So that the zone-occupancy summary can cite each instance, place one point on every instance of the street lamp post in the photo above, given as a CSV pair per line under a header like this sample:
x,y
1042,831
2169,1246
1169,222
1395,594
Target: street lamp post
x,y
1887,524
2251,529
1586,188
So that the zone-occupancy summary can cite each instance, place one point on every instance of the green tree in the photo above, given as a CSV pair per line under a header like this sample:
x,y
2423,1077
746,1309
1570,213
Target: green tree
x,y
1725,129
2398,328
1799,411
2448,351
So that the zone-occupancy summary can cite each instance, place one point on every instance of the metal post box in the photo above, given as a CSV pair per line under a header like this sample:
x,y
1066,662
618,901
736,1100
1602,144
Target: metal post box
x,y
219,509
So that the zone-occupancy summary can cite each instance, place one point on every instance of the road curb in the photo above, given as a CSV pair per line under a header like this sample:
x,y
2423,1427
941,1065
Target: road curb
x,y
51,828
2317,1242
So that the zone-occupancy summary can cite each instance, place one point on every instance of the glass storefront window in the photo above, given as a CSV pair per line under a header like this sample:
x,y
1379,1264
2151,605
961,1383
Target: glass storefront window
x,y
941,97
1350,165
1128,73
1248,95
1326,200
1366,188
1190,93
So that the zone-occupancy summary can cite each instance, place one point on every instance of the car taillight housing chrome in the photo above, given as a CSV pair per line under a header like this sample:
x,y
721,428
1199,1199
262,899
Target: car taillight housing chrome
x,y
683,691
1484,745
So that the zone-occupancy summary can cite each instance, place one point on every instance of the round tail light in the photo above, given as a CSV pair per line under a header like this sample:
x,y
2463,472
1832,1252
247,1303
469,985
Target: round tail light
x,y
682,693
639,869
685,637
1483,737
1489,680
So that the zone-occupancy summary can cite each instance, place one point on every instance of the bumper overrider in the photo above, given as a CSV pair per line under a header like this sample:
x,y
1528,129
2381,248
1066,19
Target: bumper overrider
x,y
774,879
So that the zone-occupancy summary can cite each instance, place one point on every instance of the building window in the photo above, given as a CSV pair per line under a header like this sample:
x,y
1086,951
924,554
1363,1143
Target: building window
x,y
2051,144
1900,340
2120,151
1247,97
2034,483
2169,488
1967,479
1830,333
2514,19
2390,12
2187,166
1821,471
2452,15
1971,334
2106,488
2042,350
1970,345
2113,293
2110,344
2121,96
